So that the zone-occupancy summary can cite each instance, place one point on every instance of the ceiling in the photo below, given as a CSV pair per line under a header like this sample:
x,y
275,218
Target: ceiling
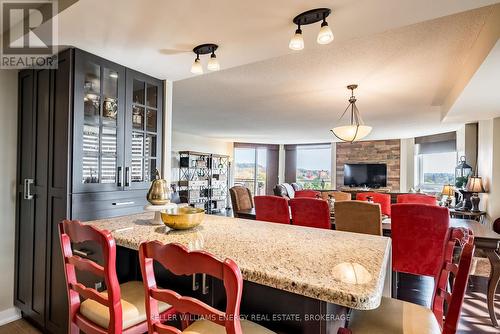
x,y
157,36
404,75
480,99
404,63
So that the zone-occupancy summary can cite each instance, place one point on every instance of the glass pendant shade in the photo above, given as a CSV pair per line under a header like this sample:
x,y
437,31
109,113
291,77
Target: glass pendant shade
x,y
196,68
325,34
297,41
351,133
356,129
213,64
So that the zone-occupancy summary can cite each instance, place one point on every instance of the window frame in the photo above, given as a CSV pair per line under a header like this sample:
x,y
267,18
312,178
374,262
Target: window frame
x,y
419,173
320,146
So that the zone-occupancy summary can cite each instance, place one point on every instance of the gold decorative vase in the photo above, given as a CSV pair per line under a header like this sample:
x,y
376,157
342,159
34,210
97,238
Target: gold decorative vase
x,y
158,194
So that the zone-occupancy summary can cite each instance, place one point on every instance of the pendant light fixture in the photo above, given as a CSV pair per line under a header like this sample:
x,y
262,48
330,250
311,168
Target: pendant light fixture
x,y
203,49
356,130
325,34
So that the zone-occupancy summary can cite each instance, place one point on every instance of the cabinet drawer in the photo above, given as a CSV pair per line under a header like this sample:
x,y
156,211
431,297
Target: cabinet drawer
x,y
91,206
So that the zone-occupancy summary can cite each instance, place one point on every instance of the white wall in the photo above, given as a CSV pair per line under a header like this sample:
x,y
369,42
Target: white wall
x,y
8,155
188,142
489,165
407,165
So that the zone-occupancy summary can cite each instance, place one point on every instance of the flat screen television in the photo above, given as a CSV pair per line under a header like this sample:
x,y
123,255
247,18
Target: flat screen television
x,y
370,175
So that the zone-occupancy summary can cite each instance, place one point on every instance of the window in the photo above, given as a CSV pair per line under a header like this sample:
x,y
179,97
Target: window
x,y
314,163
250,169
435,170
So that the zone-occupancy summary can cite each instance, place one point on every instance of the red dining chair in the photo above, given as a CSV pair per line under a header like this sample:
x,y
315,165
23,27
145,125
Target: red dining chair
x,y
307,193
397,316
383,199
310,212
417,199
419,233
272,209
180,261
119,309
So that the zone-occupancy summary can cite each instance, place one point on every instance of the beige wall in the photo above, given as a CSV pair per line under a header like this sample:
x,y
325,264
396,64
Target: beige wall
x,y
8,148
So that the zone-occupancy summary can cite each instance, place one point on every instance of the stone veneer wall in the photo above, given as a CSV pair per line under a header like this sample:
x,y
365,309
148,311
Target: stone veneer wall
x,y
377,151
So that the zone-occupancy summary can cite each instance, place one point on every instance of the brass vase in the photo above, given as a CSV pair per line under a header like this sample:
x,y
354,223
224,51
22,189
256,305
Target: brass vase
x,y
158,193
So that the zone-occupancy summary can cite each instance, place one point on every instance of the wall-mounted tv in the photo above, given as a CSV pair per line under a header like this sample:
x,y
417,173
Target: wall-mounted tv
x,y
370,175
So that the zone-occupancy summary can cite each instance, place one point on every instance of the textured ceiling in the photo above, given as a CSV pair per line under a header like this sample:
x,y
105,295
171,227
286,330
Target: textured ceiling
x,y
480,99
157,36
403,74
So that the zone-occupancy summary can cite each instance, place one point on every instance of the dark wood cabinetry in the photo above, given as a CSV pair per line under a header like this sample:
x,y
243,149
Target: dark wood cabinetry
x,y
81,155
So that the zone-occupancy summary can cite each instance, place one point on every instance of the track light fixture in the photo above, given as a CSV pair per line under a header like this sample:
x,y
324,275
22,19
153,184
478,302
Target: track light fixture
x,y
203,49
325,34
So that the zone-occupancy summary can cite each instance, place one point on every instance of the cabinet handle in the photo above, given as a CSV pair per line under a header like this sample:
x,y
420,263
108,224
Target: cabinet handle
x,y
122,203
195,286
204,287
27,189
119,176
127,176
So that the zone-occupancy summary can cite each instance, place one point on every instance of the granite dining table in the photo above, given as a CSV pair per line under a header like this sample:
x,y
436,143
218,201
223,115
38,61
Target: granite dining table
x,y
296,279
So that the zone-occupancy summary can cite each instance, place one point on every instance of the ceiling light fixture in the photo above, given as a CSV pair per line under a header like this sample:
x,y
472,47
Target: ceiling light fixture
x,y
325,34
203,49
356,130
297,41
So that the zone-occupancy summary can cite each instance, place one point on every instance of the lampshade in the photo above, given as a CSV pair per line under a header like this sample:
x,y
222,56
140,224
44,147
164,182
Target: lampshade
x,y
475,184
213,63
297,42
196,68
325,34
350,133
448,190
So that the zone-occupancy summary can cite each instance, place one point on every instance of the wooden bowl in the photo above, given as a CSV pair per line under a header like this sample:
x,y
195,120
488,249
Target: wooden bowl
x,y
182,218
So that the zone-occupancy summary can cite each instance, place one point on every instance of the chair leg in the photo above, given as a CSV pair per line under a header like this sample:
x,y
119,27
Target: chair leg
x,y
395,281
74,328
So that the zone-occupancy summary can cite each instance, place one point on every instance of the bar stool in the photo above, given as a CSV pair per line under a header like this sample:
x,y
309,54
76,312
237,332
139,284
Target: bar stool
x,y
397,316
119,309
180,261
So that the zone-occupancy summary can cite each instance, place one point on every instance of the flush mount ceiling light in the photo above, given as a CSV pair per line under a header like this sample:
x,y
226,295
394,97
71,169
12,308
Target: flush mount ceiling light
x,y
325,34
204,49
356,130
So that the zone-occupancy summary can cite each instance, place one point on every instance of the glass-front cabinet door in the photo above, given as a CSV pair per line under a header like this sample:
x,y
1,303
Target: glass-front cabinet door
x,y
99,118
143,124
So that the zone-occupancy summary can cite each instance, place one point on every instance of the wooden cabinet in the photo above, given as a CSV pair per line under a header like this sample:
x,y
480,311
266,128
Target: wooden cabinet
x,y
143,124
80,157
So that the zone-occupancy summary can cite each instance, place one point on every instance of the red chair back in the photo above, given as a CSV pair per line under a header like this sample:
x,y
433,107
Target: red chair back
x,y
180,261
310,212
307,193
272,209
419,234
460,271
383,199
74,231
417,199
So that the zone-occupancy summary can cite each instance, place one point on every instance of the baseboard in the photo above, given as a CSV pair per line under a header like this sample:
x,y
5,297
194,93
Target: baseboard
x,y
9,315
